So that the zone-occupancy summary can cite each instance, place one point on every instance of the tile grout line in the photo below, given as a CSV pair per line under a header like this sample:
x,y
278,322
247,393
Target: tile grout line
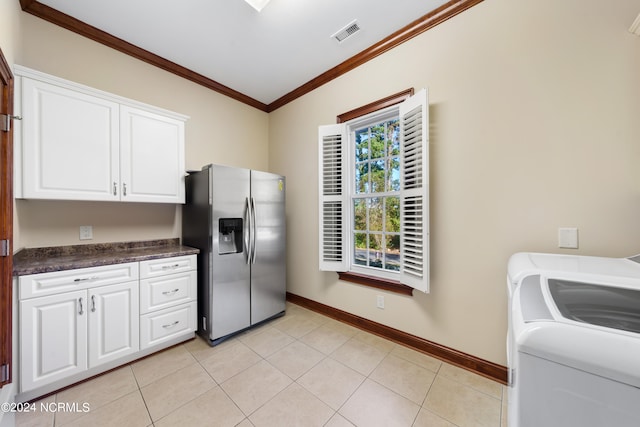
x,y
219,385
439,373
144,401
368,376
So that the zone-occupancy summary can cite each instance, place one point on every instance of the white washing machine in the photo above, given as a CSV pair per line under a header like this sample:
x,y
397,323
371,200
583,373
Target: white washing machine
x,y
573,345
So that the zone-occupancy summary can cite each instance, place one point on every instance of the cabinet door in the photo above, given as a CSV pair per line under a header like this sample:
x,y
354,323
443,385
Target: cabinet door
x,y
152,157
113,322
70,144
53,338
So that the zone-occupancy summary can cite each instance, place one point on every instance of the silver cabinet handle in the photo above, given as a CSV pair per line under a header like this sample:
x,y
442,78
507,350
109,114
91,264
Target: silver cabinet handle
x,y
81,311
167,267
170,293
115,188
84,279
93,303
124,189
171,325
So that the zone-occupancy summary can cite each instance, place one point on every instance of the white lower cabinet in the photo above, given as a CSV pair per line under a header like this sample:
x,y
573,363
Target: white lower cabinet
x,y
163,325
113,322
77,323
167,291
168,295
53,338
68,333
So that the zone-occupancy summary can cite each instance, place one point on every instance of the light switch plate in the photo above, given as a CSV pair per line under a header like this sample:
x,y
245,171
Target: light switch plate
x,y
86,232
568,237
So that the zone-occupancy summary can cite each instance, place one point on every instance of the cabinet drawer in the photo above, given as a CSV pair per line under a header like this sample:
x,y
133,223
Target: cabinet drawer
x,y
164,325
166,291
41,284
164,266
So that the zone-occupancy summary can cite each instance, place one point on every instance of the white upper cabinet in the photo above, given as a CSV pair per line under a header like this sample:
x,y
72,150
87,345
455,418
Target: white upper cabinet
x,y
151,156
70,144
79,143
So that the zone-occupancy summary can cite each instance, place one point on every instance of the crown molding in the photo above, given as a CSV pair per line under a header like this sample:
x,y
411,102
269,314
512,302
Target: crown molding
x,y
417,27
72,24
426,22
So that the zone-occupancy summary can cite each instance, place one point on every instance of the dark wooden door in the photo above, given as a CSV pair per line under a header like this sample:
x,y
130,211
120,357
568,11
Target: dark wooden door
x,y
6,219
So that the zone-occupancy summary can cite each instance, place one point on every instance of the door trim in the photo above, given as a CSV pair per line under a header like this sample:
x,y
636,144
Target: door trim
x,y
6,219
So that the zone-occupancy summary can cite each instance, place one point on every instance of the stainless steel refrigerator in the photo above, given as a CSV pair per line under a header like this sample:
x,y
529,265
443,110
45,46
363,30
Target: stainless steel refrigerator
x,y
236,217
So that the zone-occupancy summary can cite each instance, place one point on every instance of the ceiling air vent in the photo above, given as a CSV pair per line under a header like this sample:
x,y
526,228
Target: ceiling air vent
x,y
351,28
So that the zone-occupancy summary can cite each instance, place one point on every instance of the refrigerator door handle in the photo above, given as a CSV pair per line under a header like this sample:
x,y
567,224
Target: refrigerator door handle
x,y
247,231
253,230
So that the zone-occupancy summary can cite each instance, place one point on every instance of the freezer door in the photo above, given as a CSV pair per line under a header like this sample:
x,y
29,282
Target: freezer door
x,y
196,221
230,297
268,268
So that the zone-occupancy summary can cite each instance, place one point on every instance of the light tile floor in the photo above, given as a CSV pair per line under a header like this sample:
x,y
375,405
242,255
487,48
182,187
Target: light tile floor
x,y
302,369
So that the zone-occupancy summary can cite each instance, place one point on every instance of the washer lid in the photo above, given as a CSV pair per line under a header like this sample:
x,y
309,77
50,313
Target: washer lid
x,y
525,263
601,305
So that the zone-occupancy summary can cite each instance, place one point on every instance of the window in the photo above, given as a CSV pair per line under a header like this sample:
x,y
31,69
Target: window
x,y
375,194
374,210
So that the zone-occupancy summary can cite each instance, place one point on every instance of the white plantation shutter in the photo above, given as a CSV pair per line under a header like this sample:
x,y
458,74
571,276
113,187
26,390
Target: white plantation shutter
x,y
414,193
333,192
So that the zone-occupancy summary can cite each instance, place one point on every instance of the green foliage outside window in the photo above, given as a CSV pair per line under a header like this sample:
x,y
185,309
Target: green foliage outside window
x,y
376,206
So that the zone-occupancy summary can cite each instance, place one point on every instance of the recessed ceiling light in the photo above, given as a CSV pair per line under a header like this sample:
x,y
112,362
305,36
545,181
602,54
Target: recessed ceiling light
x,y
257,4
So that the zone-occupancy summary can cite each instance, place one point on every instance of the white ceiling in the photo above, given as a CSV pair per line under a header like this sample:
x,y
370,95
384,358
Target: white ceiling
x,y
264,55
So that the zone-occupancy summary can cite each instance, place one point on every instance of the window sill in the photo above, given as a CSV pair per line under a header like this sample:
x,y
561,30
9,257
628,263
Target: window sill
x,y
376,282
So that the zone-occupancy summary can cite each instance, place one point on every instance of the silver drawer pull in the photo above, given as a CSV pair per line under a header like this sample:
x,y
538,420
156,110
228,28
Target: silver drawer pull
x,y
93,303
167,267
81,311
171,325
170,293
84,279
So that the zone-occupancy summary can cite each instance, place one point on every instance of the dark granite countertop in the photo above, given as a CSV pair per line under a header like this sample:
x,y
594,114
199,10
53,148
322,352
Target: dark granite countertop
x,y
58,258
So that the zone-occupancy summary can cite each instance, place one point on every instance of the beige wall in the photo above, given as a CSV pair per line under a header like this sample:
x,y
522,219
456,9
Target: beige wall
x,y
220,130
534,108
534,111
9,12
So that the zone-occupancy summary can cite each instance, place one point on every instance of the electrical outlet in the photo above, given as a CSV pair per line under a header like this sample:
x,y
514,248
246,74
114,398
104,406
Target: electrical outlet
x,y
380,302
86,232
568,237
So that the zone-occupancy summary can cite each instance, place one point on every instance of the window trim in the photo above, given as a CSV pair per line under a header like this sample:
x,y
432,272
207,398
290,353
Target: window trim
x,y
375,282
355,277
391,100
